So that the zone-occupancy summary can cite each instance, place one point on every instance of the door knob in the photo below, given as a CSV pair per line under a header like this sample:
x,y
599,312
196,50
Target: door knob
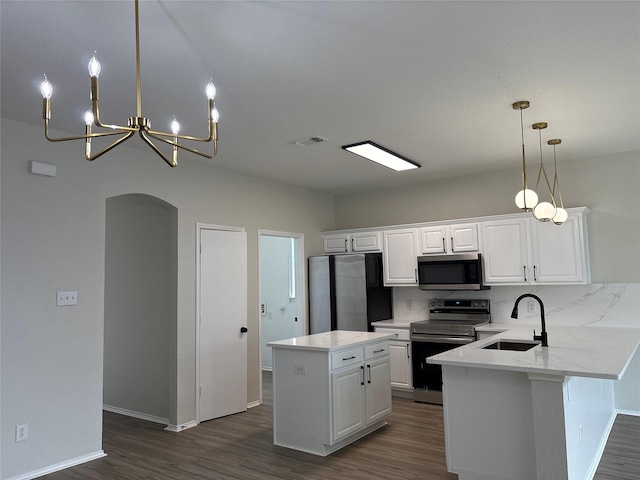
x,y
244,330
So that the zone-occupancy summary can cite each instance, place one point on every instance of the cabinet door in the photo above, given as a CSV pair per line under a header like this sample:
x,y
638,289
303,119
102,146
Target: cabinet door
x,y
400,364
559,252
433,239
505,252
338,243
464,238
400,258
378,389
348,401
366,242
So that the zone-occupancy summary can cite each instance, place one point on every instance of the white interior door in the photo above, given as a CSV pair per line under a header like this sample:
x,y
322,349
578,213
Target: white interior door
x,y
223,316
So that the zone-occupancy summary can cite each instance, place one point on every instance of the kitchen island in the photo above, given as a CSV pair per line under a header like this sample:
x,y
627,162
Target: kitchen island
x,y
543,413
329,389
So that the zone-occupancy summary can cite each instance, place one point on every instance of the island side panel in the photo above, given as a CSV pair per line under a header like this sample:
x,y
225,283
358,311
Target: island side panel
x,y
301,401
488,424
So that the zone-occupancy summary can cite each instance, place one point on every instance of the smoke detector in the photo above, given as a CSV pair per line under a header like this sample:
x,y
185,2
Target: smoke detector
x,y
307,142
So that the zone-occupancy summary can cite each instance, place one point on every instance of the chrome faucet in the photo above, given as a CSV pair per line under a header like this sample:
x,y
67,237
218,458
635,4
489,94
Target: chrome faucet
x,y
543,334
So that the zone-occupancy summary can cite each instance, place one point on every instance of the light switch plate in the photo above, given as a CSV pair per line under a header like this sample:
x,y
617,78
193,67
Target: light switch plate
x,y
66,298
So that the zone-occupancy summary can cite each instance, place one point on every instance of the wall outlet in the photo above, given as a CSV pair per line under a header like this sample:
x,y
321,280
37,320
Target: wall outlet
x,y
580,435
22,432
409,305
66,298
531,306
300,369
263,309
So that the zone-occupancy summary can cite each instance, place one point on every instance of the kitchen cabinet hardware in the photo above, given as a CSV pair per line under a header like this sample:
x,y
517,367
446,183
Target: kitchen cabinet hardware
x,y
349,358
244,330
525,272
379,351
368,373
362,368
452,249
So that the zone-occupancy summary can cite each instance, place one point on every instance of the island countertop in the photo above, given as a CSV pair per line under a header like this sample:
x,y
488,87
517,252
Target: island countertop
x,y
594,352
329,341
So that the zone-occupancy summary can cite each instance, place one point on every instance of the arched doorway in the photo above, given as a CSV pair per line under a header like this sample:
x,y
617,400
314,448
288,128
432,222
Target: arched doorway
x,y
140,307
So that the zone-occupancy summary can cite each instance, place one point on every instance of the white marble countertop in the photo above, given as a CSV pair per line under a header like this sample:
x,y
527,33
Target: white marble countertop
x,y
328,341
573,351
393,323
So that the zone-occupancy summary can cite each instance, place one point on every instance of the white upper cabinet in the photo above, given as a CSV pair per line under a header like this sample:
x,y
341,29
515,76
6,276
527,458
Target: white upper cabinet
x,y
449,239
400,257
526,251
352,242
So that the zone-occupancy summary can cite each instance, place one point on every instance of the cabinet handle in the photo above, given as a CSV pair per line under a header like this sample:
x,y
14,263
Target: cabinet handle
x,y
369,373
444,246
346,245
452,250
353,248
525,272
362,381
415,273
378,351
535,273
407,345
348,358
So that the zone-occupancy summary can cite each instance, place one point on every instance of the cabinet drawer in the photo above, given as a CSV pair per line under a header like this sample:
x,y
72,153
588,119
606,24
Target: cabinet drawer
x,y
398,333
346,358
376,350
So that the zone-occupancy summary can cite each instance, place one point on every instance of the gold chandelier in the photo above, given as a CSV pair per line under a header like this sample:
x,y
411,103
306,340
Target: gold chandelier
x,y
139,124
527,199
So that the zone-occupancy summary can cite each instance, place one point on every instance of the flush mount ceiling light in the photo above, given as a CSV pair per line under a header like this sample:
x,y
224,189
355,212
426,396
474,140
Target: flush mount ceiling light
x,y
137,124
383,156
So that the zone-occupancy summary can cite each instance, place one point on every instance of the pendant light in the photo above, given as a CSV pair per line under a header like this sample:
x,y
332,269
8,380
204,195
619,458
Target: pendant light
x,y
561,214
543,211
526,199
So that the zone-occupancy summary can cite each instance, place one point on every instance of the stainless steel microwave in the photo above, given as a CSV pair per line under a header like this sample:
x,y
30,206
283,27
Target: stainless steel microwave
x,y
451,272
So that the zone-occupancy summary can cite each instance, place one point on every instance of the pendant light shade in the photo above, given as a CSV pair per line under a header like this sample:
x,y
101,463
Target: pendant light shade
x,y
526,199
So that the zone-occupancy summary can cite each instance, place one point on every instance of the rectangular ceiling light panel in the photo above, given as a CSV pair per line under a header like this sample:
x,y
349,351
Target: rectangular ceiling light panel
x,y
381,155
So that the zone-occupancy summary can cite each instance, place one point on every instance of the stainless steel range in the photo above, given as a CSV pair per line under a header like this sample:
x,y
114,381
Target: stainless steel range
x,y
451,324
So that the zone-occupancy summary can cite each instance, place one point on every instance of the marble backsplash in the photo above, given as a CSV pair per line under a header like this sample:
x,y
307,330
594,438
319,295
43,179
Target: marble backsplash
x,y
598,304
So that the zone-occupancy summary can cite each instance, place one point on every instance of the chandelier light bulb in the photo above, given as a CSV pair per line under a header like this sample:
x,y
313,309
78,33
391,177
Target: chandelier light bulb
x,y
560,217
175,126
215,115
210,90
544,211
88,117
46,89
94,66
526,199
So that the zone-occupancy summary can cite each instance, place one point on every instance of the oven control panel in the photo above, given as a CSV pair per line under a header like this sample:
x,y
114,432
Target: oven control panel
x,y
439,305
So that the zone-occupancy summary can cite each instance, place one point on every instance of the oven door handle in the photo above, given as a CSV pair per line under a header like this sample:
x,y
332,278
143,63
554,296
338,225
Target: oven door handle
x,y
443,339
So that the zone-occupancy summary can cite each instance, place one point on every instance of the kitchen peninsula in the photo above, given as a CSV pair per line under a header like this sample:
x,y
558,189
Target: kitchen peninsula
x,y
537,414
329,389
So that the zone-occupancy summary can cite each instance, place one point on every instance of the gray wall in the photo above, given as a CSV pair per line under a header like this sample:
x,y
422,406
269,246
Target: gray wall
x,y
53,238
609,186
139,304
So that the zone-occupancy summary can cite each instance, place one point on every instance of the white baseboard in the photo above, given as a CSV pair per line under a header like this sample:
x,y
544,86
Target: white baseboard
x,y
131,413
633,413
253,404
181,427
59,466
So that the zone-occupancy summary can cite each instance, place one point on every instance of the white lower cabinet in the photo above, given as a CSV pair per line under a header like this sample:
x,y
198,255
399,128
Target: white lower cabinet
x,y
399,358
324,400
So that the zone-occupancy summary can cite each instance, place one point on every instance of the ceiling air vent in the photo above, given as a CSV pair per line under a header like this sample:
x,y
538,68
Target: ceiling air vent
x,y
307,142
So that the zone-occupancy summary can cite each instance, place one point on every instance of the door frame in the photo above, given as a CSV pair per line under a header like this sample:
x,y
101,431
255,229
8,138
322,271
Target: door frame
x,y
301,290
199,228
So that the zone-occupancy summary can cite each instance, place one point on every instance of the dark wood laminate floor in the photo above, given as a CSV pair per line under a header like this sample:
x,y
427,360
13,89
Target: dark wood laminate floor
x,y
240,446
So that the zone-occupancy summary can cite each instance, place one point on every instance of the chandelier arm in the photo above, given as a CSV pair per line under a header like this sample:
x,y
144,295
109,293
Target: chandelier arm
x,y
148,141
78,137
184,147
213,134
126,136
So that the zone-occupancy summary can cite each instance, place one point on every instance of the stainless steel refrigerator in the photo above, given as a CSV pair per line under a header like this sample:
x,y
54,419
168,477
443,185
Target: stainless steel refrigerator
x,y
346,292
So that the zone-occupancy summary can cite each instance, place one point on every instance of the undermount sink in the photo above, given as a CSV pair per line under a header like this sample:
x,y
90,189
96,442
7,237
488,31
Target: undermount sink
x,y
511,345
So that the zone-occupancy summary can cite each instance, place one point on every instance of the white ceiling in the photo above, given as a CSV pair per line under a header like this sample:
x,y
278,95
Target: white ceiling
x,y
433,81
